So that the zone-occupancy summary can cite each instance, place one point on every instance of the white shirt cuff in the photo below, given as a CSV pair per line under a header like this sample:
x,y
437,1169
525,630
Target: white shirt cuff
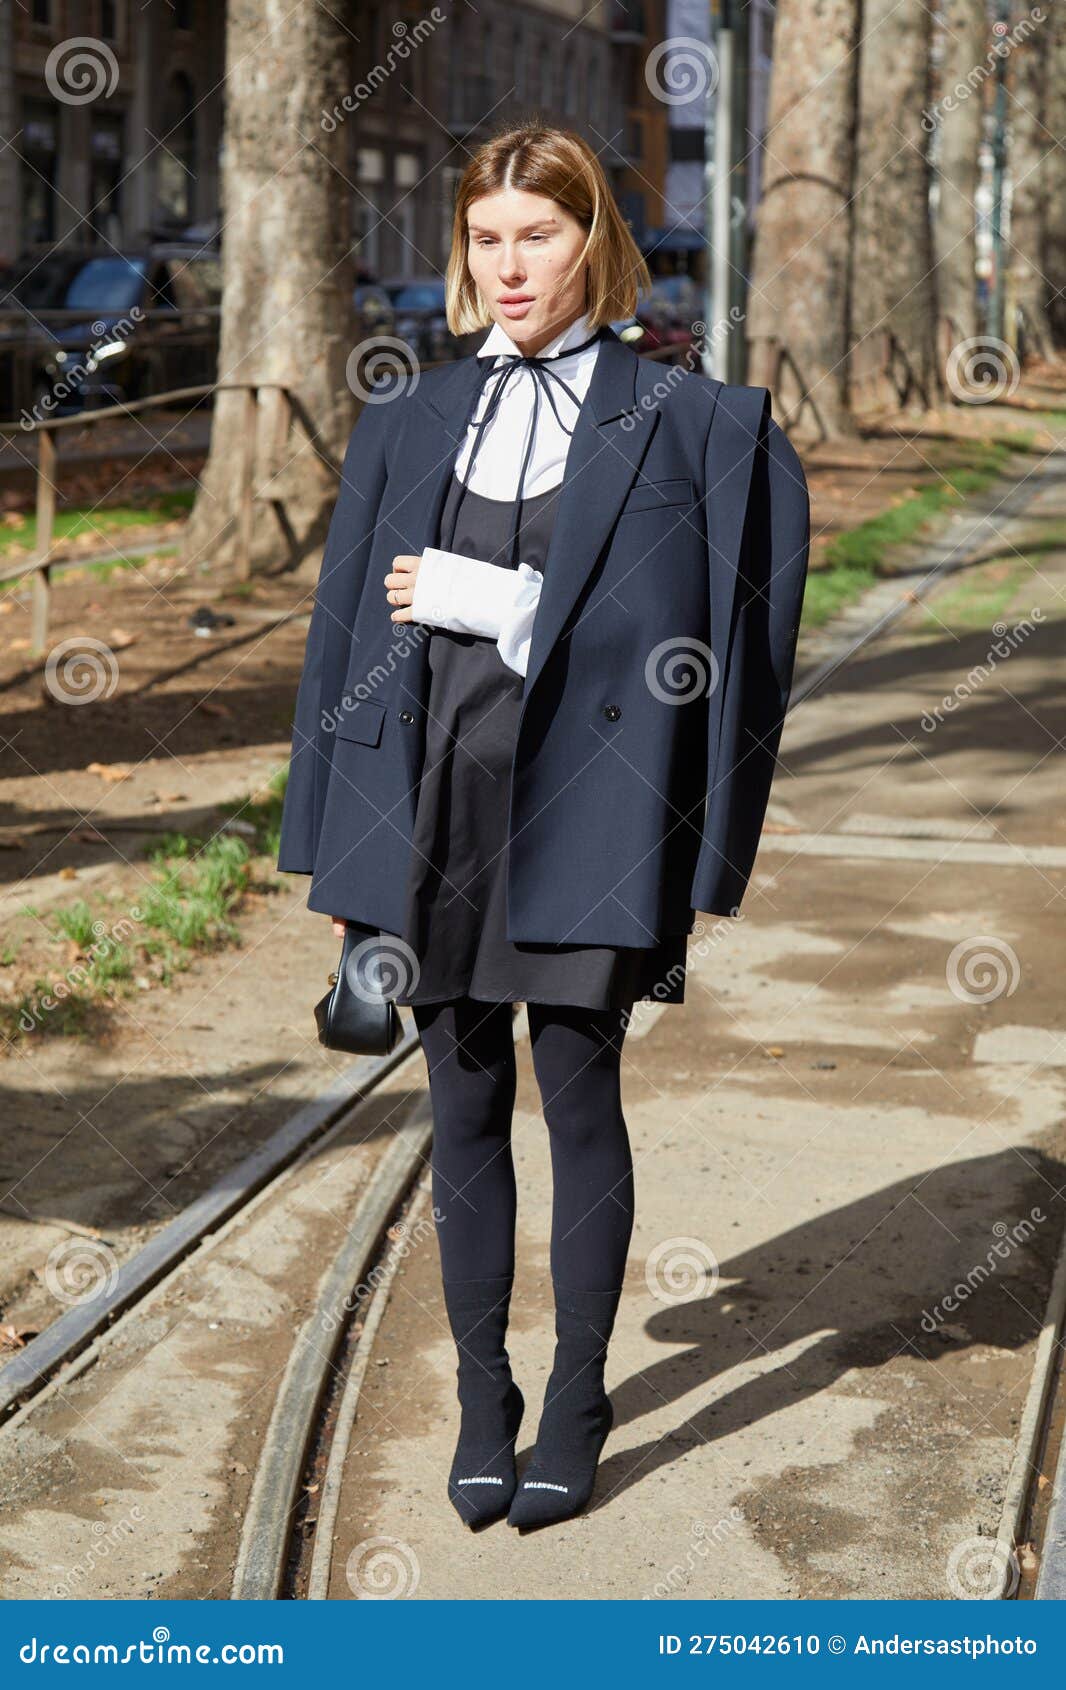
x,y
470,596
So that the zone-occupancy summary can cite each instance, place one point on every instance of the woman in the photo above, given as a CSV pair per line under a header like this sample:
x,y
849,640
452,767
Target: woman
x,y
562,524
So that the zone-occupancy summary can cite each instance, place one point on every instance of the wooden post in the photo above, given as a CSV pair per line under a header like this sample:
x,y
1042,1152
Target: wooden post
x,y
276,409
46,515
246,494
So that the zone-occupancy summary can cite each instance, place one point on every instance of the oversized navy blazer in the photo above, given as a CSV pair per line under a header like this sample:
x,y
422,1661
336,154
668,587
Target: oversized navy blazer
x,y
659,666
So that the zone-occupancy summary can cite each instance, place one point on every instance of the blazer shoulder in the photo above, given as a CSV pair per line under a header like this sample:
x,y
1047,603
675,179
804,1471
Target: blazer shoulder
x,y
692,393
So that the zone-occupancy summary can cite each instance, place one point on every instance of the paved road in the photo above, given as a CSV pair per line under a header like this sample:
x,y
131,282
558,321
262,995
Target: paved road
x,y
848,1147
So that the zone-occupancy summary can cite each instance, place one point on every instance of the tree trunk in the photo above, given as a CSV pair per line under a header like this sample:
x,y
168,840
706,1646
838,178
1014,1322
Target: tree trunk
x,y
1030,170
1055,165
964,43
893,277
798,305
288,275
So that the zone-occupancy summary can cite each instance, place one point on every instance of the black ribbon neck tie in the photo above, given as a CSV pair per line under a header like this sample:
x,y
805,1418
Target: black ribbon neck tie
x,y
543,378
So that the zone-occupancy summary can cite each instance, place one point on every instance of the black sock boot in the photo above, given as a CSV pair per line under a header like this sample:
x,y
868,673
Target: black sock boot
x,y
577,1413
482,1478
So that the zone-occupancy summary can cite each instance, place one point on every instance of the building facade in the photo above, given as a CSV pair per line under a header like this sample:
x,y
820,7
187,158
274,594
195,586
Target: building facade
x,y
113,111
113,114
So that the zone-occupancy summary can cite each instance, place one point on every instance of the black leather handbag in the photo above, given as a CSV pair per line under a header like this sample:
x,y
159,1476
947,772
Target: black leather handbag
x,y
356,1015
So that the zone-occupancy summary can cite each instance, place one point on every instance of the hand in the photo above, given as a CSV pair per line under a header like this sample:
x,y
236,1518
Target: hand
x,y
401,586
340,926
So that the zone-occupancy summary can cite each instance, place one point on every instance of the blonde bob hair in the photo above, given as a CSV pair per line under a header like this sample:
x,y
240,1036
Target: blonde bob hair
x,y
559,165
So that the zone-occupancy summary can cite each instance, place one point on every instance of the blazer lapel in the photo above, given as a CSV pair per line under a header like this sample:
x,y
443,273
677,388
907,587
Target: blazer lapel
x,y
610,438
430,449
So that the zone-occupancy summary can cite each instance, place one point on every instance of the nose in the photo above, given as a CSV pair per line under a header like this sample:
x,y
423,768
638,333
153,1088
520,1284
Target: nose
x,y
510,266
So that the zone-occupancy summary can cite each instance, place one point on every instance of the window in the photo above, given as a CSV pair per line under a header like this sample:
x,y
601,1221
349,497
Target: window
x,y
111,20
107,284
518,63
105,178
546,93
176,166
37,147
370,164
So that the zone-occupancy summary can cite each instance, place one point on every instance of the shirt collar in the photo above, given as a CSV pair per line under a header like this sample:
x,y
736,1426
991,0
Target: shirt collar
x,y
499,341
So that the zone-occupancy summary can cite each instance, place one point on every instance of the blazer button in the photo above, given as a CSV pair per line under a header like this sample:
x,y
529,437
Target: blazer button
x,y
612,712
406,716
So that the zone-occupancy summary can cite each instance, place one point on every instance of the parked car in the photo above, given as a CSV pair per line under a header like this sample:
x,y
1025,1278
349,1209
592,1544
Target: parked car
x,y
147,322
376,314
37,282
418,306
669,312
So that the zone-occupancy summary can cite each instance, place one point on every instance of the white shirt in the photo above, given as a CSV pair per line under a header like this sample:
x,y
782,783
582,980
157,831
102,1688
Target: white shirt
x,y
499,459
468,594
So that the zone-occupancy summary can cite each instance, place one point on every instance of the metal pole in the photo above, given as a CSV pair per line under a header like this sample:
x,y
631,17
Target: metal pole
x,y
735,341
999,165
721,203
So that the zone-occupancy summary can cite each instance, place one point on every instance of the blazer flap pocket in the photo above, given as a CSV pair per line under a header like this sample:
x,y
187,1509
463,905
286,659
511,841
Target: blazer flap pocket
x,y
649,495
360,721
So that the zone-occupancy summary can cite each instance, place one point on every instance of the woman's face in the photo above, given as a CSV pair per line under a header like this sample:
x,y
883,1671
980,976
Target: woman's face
x,y
520,246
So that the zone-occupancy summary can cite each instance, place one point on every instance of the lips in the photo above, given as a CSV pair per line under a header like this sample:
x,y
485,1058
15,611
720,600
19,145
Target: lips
x,y
516,299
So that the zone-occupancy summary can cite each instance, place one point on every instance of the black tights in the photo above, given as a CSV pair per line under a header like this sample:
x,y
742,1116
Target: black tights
x,y
469,1048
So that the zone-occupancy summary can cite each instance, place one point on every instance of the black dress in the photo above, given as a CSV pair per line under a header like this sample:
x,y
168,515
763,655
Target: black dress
x,y
455,919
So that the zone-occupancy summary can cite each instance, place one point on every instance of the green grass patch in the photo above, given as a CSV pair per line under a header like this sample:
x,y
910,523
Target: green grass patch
x,y
857,557
99,521
188,909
